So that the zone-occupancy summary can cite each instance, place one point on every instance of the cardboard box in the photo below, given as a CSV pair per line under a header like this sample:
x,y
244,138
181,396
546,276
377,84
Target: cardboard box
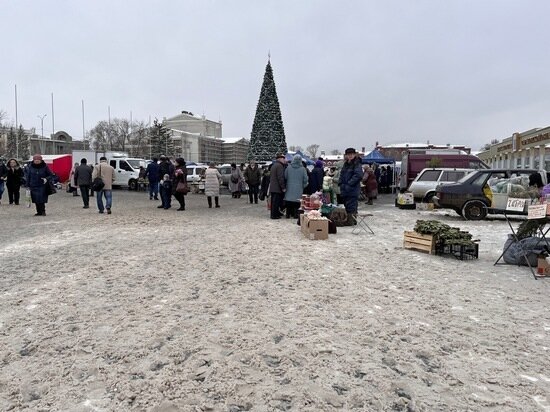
x,y
406,198
543,267
314,229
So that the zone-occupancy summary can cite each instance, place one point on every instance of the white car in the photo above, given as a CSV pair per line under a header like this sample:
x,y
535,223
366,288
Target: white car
x,y
423,186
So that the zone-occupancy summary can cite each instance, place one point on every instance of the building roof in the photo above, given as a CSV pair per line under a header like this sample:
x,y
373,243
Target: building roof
x,y
233,139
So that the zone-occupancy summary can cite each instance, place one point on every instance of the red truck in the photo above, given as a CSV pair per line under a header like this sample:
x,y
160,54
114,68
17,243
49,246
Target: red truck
x,y
414,160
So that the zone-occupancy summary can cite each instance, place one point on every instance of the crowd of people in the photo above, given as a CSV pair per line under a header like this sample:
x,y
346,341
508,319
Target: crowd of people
x,y
281,183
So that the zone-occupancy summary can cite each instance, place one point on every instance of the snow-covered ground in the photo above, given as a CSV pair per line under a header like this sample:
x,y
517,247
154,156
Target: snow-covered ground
x,y
225,309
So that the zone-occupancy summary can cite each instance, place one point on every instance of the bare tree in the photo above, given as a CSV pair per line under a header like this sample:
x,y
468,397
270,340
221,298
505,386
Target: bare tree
x,y
121,133
292,149
335,152
101,136
3,115
312,150
140,140
298,149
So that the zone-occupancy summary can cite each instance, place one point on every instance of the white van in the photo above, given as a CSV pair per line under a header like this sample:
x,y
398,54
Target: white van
x,y
423,186
126,171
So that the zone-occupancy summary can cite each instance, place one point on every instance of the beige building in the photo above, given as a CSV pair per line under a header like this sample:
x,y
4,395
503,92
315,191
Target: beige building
x,y
235,150
529,149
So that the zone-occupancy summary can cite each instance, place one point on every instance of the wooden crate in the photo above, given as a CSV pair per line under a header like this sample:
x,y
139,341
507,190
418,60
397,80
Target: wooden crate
x,y
417,241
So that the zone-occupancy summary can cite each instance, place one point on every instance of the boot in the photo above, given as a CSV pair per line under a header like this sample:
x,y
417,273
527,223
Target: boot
x,y
209,201
217,199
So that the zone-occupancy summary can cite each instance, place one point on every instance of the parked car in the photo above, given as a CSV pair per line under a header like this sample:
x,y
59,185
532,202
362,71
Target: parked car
x,y
471,197
195,172
424,185
225,171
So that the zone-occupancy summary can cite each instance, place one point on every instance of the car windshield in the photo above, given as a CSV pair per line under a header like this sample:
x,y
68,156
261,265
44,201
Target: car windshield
x,y
135,163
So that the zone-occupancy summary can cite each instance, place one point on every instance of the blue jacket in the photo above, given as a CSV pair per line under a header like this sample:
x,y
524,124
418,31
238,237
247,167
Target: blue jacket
x,y
152,172
350,178
296,180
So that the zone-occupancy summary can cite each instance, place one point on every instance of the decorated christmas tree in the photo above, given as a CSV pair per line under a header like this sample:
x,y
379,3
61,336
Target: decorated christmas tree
x,y
268,134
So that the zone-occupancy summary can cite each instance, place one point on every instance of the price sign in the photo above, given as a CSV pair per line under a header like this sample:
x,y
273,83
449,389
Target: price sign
x,y
516,205
536,212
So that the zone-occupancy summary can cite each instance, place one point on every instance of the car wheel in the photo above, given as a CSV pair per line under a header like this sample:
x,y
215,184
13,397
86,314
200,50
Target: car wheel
x,y
428,197
474,210
132,184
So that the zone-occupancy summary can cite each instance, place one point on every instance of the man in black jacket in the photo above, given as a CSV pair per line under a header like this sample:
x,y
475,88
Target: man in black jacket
x,y
277,186
83,179
253,178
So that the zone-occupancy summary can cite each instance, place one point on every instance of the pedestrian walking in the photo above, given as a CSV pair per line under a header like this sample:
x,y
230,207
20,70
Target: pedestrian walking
x,y
37,178
107,173
212,179
253,178
83,178
14,179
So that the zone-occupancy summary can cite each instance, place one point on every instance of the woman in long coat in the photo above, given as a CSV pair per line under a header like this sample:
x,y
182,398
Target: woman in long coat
x,y
180,176
37,178
234,181
212,179
296,181
371,185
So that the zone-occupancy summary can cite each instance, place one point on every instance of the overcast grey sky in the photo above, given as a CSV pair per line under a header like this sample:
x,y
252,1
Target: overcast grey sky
x,y
348,73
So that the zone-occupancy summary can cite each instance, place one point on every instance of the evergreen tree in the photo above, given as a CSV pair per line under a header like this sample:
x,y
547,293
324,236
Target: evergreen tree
x,y
268,134
24,144
11,144
161,140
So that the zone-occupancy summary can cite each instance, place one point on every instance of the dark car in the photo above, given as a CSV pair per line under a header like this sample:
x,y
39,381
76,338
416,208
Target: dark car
x,y
468,197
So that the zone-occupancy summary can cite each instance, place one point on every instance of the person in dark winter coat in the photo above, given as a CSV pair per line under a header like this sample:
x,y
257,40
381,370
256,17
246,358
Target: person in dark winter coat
x,y
14,178
37,177
350,182
264,186
253,178
180,175
277,186
316,178
83,179
165,168
152,174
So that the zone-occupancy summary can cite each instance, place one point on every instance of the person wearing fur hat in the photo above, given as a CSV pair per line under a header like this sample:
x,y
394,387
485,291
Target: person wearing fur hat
x,y
350,183
180,175
37,177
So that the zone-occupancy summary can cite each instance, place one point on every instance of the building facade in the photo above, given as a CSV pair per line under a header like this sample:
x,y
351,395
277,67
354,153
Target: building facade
x,y
529,149
58,143
395,151
235,150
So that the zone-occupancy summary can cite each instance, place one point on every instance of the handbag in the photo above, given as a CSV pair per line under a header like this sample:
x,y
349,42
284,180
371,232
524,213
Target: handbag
x,y
50,188
182,188
98,184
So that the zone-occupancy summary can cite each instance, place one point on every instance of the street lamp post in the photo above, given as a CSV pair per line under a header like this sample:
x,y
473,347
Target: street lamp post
x,y
42,133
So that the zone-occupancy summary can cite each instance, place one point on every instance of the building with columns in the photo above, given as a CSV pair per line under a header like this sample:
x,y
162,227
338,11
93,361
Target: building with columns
x,y
529,149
